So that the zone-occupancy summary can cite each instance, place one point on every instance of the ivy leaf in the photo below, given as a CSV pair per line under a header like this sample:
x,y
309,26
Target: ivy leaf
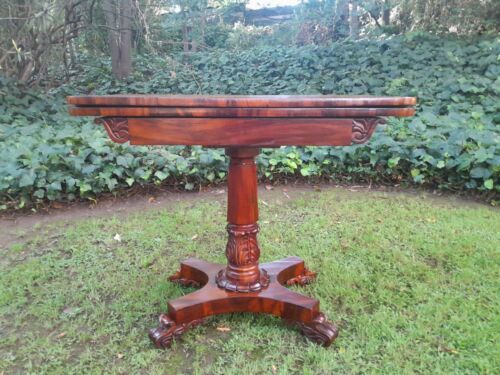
x,y
111,183
85,187
480,172
210,176
305,171
40,193
161,175
27,179
56,185
392,162
70,182
488,184
121,160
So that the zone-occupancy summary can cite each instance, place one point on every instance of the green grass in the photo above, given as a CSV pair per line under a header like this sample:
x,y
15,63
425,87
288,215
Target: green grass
x,y
411,281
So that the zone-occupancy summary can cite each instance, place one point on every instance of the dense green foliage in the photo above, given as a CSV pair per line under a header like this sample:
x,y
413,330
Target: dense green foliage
x,y
453,142
40,36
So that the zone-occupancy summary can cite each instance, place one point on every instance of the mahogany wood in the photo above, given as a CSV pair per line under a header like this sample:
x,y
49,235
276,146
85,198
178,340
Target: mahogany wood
x,y
189,310
241,124
240,112
226,132
242,273
242,206
240,131
224,101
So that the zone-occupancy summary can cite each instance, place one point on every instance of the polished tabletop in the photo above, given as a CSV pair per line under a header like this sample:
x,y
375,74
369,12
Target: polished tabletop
x,y
241,120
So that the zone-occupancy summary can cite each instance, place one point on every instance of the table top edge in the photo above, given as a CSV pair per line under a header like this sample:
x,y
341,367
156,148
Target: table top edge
x,y
241,101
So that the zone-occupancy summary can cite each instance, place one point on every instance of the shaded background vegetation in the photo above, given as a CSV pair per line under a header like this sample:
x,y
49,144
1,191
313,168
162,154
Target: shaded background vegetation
x,y
444,52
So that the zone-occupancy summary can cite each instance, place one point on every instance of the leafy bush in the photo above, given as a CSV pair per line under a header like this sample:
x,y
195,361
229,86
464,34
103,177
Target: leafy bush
x,y
452,143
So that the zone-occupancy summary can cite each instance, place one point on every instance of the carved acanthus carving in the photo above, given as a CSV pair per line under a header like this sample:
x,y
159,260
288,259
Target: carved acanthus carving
x,y
168,330
242,251
242,247
117,128
362,129
304,278
320,330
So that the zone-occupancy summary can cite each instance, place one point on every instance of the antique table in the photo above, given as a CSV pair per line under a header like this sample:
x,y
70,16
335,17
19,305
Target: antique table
x,y
242,125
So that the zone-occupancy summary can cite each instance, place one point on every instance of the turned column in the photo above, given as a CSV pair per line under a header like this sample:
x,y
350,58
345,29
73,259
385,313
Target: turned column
x,y
242,273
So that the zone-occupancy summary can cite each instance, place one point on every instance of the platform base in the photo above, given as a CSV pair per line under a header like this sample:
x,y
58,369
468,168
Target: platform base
x,y
189,311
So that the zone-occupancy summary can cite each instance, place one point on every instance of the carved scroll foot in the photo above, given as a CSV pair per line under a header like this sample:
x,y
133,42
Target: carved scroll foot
x,y
304,278
179,279
320,330
168,330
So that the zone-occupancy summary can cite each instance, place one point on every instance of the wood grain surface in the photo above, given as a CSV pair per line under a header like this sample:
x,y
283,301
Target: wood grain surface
x,y
242,101
240,112
253,132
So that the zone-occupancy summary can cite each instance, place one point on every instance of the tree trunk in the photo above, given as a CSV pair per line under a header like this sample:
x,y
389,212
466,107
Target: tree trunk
x,y
72,53
386,13
26,72
185,39
354,20
118,19
126,38
341,22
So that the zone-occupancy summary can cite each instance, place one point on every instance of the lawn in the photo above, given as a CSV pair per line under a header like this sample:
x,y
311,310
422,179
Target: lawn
x,y
411,280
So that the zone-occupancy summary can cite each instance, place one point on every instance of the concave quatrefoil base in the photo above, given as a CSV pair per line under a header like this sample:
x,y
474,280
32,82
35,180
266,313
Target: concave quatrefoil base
x,y
190,310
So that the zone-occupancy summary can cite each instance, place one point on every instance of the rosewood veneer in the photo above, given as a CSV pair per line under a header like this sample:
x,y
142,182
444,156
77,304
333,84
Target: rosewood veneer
x,y
242,125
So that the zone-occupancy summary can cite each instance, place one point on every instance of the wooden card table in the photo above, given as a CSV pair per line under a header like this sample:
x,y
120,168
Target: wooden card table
x,y
242,125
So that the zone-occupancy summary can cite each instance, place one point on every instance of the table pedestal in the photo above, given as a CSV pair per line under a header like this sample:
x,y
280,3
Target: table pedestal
x,y
242,285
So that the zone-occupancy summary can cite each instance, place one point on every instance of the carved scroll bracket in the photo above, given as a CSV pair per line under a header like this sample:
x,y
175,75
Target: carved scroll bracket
x,y
362,129
117,128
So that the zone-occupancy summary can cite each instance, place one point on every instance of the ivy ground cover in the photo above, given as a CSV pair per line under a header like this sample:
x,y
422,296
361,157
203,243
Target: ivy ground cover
x,y
411,281
453,142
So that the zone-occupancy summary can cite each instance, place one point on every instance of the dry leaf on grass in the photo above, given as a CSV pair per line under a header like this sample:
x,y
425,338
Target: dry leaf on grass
x,y
445,349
